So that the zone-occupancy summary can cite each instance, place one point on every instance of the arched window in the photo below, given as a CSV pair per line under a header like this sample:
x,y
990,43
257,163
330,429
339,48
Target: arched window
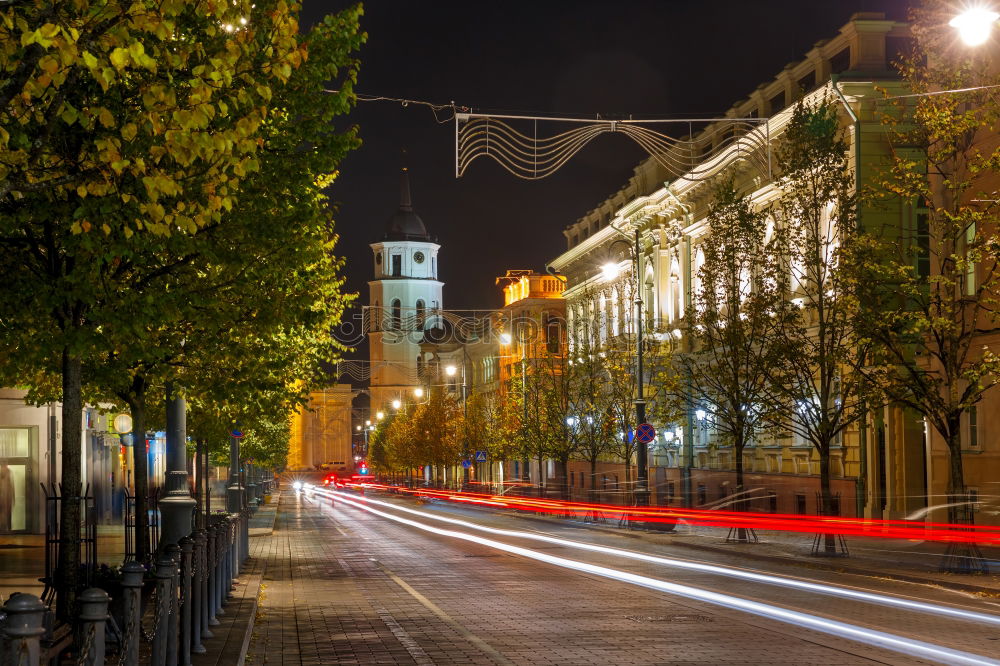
x,y
397,314
420,314
676,303
696,283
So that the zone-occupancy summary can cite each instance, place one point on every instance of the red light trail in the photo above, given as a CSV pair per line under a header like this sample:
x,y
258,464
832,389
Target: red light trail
x,y
886,529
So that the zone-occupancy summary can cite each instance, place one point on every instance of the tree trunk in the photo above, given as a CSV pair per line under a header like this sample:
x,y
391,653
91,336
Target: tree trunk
x,y
67,574
593,480
137,407
542,479
826,497
564,477
958,511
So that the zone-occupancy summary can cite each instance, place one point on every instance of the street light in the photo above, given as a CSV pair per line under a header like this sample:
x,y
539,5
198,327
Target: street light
x,y
358,428
975,25
450,370
505,338
419,392
368,422
380,415
396,404
609,271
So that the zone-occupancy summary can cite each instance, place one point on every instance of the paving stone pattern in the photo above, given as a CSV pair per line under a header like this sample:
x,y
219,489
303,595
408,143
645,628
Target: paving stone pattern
x,y
341,586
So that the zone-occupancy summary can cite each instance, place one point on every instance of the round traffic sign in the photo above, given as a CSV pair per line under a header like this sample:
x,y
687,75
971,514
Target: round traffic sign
x,y
237,434
466,463
645,433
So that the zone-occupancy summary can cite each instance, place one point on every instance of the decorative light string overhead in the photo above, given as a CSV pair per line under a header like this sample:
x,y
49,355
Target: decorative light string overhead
x,y
531,156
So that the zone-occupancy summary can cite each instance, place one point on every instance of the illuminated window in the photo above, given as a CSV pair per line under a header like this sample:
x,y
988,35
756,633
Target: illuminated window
x,y
675,302
699,263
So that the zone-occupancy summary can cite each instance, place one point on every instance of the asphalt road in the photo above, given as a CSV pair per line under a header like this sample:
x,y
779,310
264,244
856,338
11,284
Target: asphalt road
x,y
346,582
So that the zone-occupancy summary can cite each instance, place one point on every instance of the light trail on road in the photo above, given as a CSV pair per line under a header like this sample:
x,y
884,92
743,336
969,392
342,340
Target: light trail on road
x,y
869,527
732,572
896,643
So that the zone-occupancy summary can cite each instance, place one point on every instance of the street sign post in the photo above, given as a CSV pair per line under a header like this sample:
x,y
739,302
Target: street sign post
x,y
645,433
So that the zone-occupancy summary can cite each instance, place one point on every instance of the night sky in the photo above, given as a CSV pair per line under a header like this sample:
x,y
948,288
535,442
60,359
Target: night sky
x,y
666,58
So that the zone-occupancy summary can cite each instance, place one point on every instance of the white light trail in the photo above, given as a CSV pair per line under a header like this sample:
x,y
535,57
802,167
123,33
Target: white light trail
x,y
901,644
732,572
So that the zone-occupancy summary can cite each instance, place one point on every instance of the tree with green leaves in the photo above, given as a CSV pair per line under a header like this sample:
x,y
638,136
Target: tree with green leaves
x,y
934,284
733,351
815,385
127,131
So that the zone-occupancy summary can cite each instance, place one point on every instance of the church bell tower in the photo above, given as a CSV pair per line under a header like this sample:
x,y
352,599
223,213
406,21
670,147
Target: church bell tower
x,y
405,293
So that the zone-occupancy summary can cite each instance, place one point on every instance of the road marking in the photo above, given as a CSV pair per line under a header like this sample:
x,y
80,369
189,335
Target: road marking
x,y
454,624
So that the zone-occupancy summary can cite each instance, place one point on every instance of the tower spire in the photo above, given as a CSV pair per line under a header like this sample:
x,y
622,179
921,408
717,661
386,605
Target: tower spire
x,y
405,203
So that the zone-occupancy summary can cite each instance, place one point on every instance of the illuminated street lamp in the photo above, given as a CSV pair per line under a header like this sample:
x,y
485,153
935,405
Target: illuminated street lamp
x,y
358,428
419,392
368,423
380,415
505,338
450,370
609,271
975,25
396,404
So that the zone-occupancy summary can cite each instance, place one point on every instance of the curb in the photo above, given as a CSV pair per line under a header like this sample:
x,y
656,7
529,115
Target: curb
x,y
248,634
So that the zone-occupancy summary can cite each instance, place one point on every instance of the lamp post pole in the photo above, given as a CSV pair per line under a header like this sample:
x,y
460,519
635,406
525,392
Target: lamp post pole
x,y
642,451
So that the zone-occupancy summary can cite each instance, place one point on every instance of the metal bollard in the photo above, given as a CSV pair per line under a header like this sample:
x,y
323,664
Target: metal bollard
x,y
132,575
231,556
220,567
246,538
23,629
93,618
186,589
161,616
173,551
209,584
199,604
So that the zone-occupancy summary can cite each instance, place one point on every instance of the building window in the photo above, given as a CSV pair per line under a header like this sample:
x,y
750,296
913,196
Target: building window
x,y
970,268
777,103
397,315
420,313
973,427
397,265
800,504
807,82
841,62
923,242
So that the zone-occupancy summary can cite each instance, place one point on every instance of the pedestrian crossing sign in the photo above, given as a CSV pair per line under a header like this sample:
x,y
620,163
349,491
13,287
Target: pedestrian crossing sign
x,y
480,456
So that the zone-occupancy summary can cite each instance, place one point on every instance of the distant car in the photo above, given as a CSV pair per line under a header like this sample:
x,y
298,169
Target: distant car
x,y
342,474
